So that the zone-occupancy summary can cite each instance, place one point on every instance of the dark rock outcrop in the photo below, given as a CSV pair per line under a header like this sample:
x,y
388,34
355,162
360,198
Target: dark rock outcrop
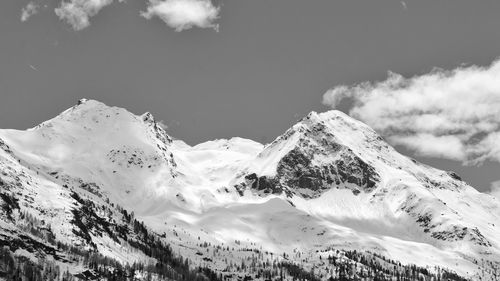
x,y
317,163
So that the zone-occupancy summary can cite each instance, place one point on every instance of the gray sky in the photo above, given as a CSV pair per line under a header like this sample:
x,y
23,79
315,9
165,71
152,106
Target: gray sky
x,y
269,64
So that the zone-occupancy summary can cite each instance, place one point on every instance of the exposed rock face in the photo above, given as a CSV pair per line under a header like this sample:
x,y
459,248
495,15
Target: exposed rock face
x,y
264,184
297,170
4,146
438,229
297,174
454,175
317,162
458,233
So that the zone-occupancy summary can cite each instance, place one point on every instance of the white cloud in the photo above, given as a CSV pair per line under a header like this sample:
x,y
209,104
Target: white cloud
x,y
184,14
450,114
434,146
28,11
495,189
77,13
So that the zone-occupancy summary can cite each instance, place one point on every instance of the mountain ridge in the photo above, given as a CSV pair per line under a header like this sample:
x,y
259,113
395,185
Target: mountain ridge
x,y
329,182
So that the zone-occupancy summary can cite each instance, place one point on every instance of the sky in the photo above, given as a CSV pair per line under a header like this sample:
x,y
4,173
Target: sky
x,y
253,68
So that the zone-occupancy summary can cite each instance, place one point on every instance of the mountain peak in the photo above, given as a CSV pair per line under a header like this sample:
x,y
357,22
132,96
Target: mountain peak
x,y
148,117
323,116
332,150
86,109
82,100
89,103
94,115
94,108
327,115
98,143
338,127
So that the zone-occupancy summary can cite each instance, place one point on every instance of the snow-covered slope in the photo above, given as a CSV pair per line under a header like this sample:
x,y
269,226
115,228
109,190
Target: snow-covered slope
x,y
328,183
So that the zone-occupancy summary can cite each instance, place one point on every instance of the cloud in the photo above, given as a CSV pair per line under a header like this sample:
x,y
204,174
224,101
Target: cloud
x,y
162,125
451,114
405,6
184,14
495,189
77,13
28,11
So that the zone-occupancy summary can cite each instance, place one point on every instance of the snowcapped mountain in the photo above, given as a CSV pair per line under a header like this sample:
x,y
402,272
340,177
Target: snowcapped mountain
x,y
328,198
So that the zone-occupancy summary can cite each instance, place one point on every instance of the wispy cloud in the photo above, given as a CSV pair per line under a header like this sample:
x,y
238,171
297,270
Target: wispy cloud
x,y
184,14
405,6
29,10
451,114
495,189
77,13
163,125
